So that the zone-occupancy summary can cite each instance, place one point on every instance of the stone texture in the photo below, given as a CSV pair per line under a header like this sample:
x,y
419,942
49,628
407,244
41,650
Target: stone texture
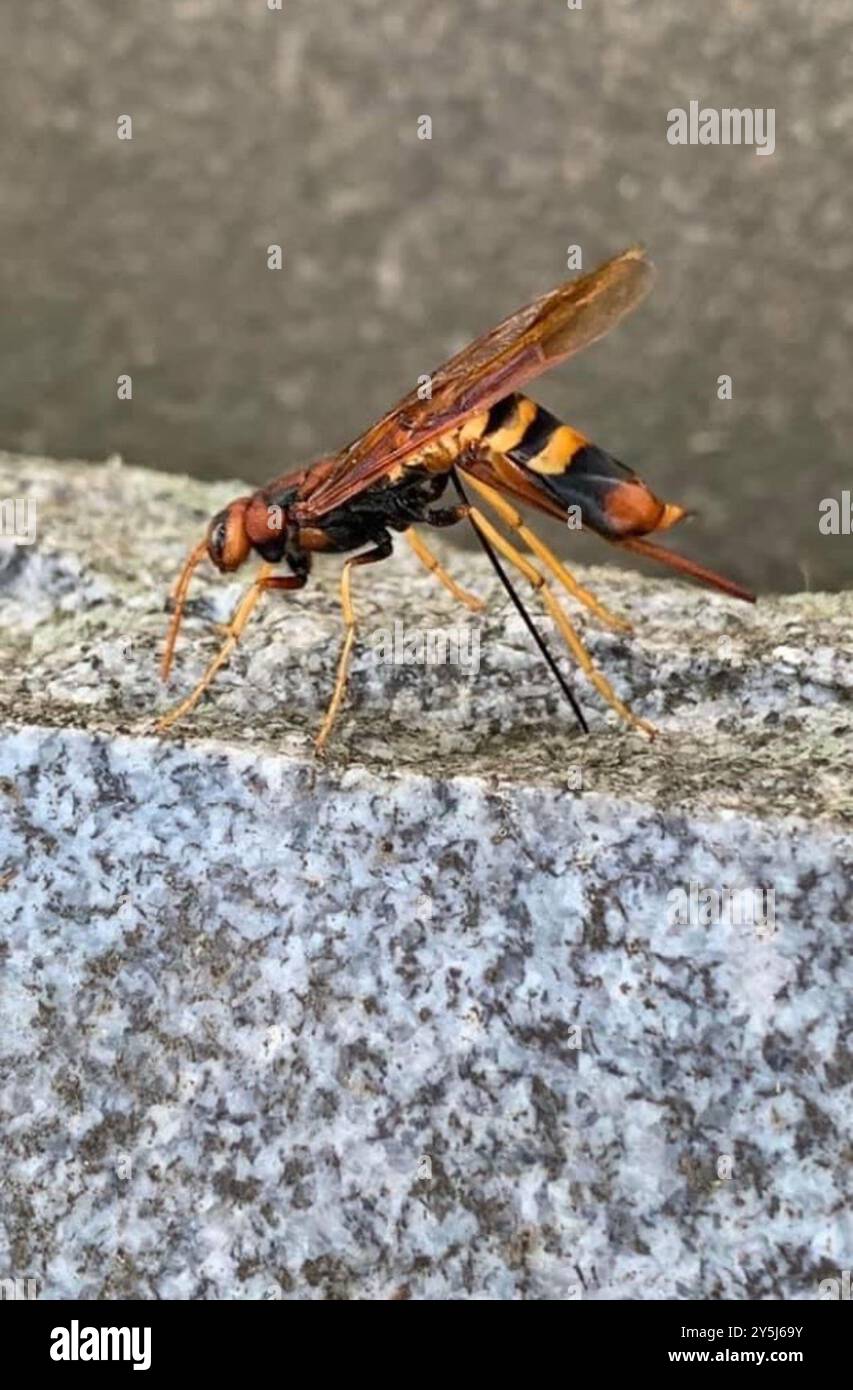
x,y
415,1021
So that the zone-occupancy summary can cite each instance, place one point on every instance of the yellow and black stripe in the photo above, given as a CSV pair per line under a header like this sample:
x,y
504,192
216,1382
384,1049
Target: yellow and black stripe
x,y
531,436
574,472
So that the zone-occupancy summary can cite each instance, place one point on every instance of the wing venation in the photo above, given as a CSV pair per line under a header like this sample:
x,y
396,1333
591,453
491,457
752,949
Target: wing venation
x,y
521,347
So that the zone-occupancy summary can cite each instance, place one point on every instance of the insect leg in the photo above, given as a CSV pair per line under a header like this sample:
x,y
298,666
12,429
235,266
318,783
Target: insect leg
x,y
563,575
426,557
241,615
522,612
567,629
178,598
381,551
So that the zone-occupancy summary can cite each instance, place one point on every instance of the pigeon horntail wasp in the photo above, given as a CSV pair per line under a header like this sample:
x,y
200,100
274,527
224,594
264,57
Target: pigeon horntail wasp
x,y
476,426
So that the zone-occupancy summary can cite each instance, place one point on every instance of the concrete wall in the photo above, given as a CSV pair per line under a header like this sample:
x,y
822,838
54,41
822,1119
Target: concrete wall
x,y
252,126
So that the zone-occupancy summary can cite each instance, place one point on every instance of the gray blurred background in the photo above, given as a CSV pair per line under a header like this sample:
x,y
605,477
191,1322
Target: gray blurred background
x,y
254,126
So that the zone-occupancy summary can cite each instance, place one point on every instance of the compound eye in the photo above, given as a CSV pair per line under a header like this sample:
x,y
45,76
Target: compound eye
x,y
217,537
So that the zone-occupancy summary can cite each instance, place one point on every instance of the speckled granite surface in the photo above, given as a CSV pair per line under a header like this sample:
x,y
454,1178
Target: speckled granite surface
x,y
416,1022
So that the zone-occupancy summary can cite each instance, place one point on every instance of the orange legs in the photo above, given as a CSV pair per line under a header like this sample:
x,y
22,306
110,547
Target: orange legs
x,y
566,628
370,557
426,557
267,580
560,572
240,617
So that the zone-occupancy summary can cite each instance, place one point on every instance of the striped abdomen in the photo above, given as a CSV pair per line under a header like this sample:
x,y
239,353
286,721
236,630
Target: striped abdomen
x,y
612,499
